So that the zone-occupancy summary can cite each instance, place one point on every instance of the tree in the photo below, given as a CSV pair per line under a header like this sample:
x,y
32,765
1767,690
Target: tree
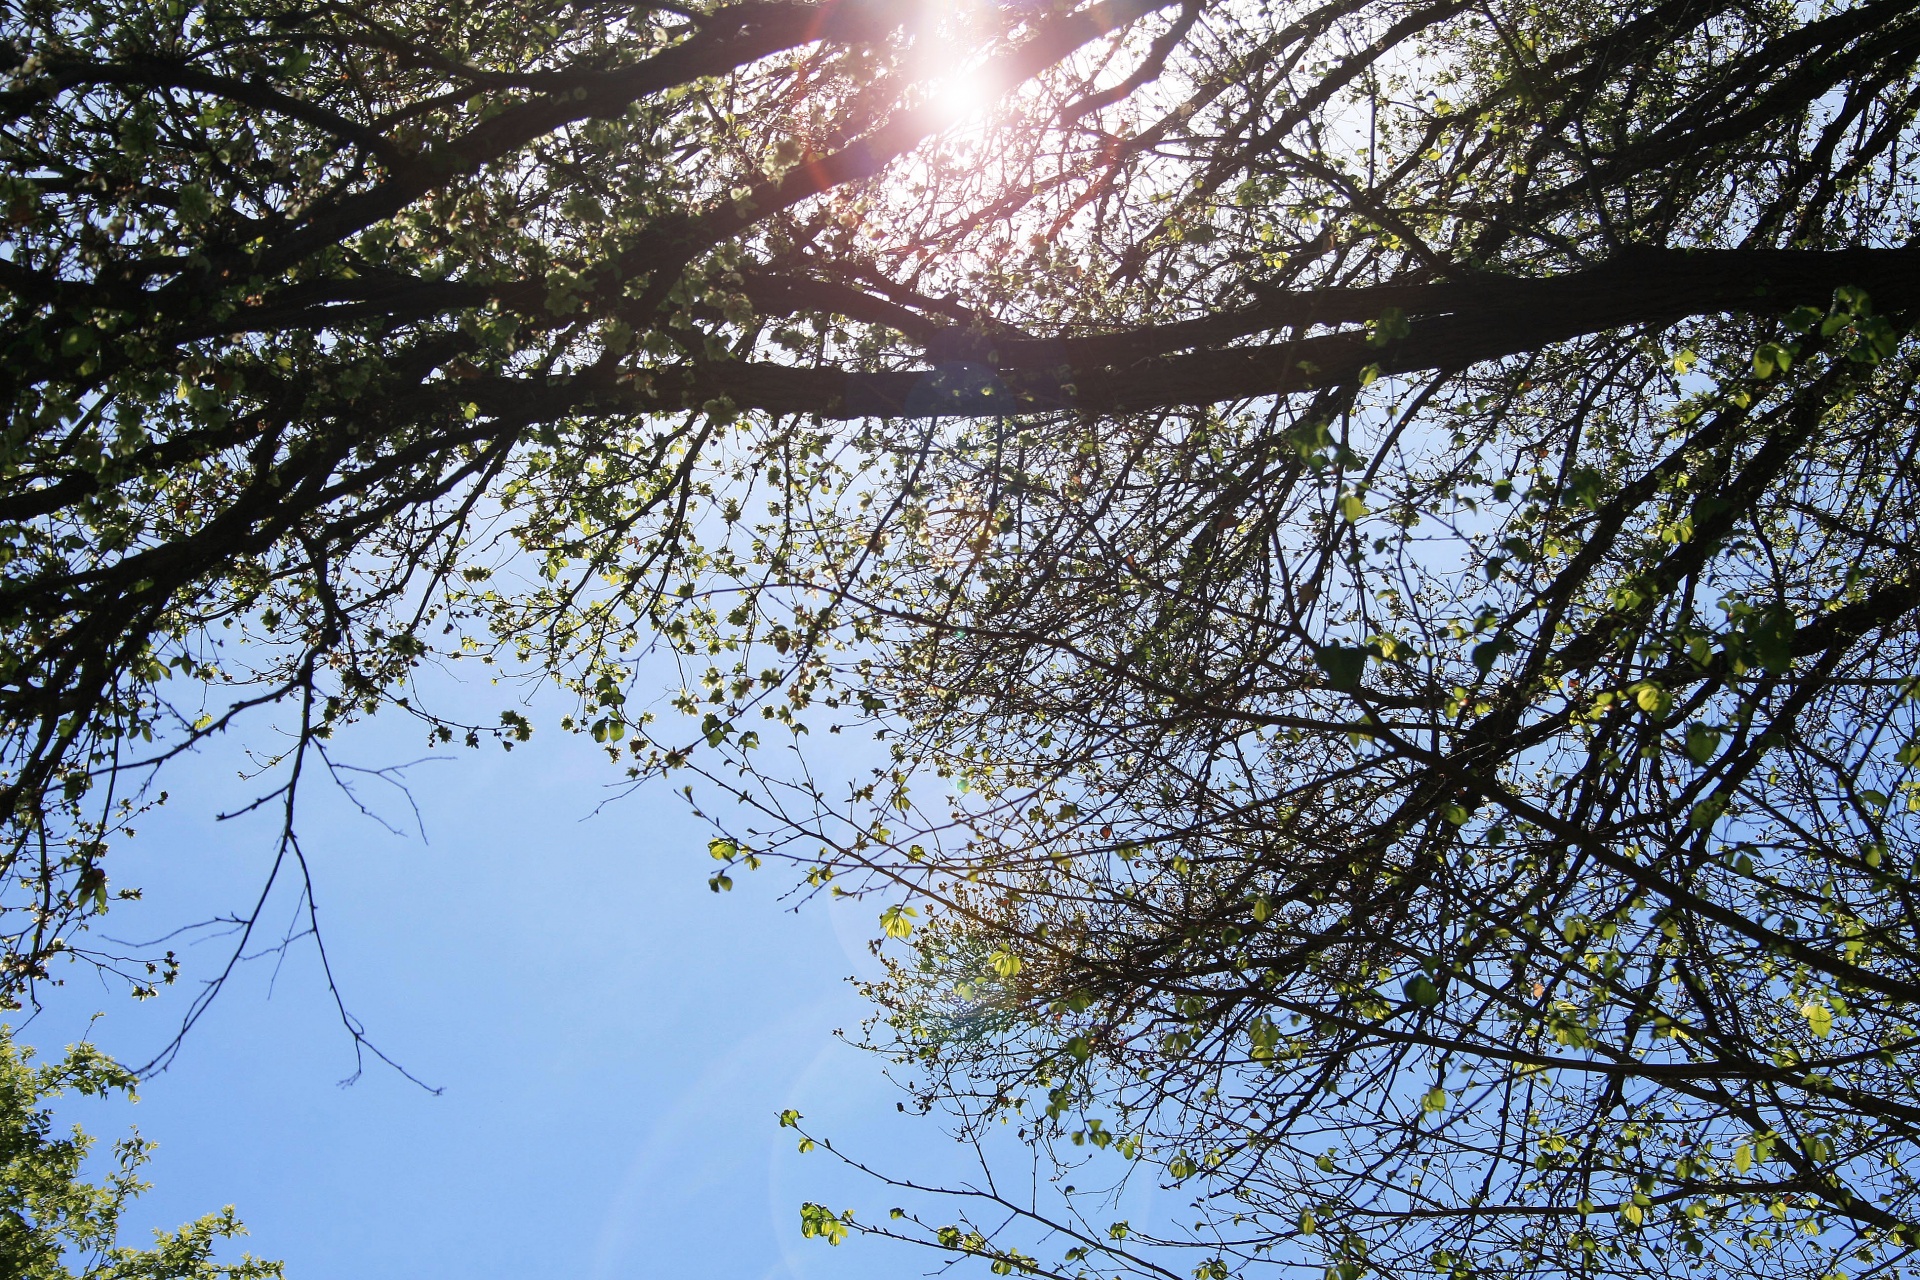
x,y
52,1220
1455,822
1375,539
301,299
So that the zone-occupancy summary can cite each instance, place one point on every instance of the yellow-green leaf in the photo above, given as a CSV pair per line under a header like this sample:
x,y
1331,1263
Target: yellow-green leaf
x,y
1819,1017
896,920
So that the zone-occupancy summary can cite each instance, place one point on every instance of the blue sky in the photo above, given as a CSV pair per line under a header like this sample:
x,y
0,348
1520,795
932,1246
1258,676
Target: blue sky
x,y
613,1040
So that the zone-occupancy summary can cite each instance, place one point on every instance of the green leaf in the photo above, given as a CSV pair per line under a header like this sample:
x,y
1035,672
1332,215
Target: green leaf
x,y
1488,652
1707,812
1852,299
897,920
1702,742
1344,665
1819,1017
1388,329
1771,632
1805,319
1421,991
818,1222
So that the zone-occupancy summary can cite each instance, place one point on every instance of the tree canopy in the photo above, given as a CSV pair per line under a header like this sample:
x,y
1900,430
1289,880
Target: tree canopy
x,y
54,1224
1373,542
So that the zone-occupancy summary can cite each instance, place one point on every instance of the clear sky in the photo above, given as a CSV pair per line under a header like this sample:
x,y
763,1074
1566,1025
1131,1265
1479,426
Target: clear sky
x,y
613,1040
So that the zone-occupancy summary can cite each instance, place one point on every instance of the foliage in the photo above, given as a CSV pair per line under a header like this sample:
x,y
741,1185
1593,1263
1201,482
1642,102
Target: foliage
x,y
1374,540
53,1221
1457,822
308,311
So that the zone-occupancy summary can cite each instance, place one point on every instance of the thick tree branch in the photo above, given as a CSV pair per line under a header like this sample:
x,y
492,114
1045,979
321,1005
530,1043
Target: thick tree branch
x,y
1452,326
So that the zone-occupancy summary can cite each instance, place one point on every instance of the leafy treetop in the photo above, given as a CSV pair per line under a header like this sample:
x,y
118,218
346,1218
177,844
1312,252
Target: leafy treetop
x,y
56,1225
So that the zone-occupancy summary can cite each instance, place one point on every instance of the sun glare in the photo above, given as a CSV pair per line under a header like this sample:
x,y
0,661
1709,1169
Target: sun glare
x,y
963,96
960,94
953,34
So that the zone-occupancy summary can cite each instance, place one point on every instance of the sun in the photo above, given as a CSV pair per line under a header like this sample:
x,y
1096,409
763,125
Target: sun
x,y
951,39
963,96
